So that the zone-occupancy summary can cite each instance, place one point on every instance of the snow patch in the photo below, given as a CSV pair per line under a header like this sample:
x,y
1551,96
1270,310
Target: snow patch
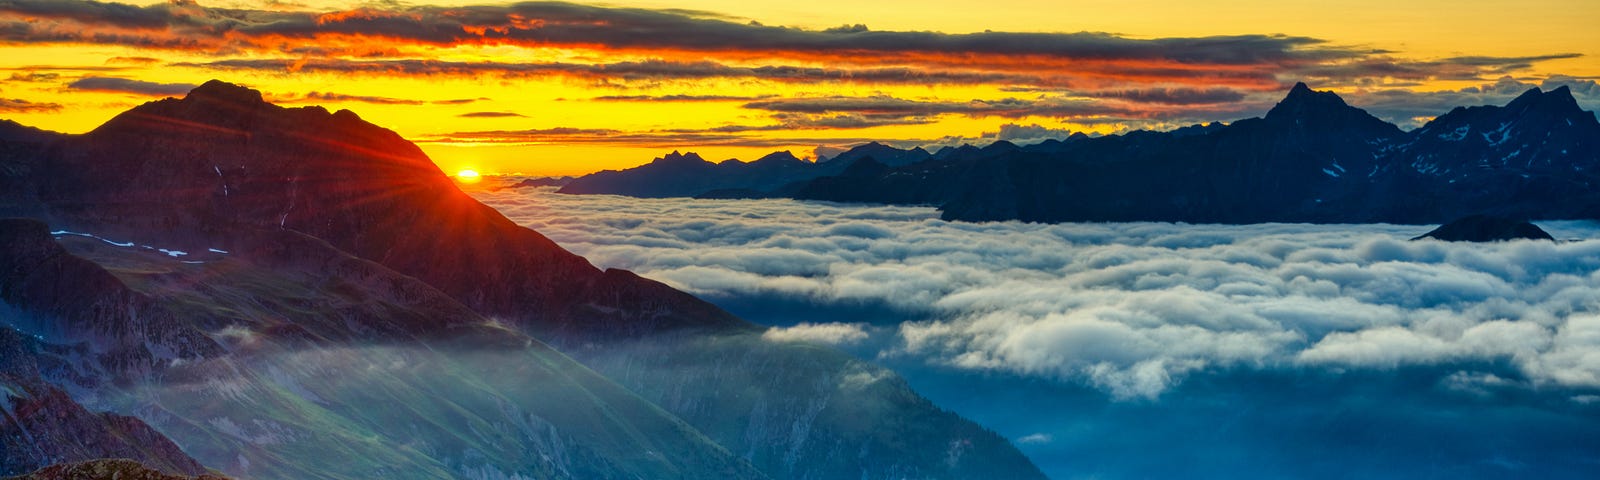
x,y
64,232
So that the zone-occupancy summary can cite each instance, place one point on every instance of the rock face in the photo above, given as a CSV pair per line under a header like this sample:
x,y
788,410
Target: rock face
x,y
368,319
1486,228
1312,158
105,469
41,425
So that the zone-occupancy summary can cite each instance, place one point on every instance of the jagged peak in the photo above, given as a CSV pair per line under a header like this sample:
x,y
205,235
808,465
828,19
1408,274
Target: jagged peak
x,y
676,157
1302,98
1559,98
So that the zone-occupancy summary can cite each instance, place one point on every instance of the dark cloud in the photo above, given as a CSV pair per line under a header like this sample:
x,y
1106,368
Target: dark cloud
x,y
665,139
629,71
881,106
679,98
1174,96
459,101
313,97
1023,134
127,85
1353,72
554,23
132,61
17,105
1410,109
1069,108
689,45
491,115
67,68
33,77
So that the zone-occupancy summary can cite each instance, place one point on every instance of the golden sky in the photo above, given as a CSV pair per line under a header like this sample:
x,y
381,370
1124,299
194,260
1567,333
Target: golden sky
x,y
569,88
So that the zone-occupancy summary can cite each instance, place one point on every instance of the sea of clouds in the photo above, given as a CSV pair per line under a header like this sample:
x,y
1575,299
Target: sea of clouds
x,y
1132,309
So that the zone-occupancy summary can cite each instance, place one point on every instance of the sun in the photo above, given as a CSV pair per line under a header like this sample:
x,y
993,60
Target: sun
x,y
468,176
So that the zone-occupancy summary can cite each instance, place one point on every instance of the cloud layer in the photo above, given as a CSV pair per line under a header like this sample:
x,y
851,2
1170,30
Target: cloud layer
x,y
1132,309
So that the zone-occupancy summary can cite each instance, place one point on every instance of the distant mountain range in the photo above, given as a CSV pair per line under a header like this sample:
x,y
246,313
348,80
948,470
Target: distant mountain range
x,y
1312,158
215,283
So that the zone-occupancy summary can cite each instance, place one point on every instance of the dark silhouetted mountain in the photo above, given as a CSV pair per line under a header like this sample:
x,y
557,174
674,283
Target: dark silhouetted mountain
x,y
779,174
687,175
1486,228
367,319
541,182
884,154
1312,158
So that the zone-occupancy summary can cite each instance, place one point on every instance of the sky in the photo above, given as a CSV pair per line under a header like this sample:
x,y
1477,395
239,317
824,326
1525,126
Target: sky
x,y
1159,350
553,88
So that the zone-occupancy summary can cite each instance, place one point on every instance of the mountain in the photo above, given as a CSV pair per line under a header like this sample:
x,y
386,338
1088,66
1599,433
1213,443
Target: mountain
x,y
541,182
328,304
688,175
1486,228
1311,158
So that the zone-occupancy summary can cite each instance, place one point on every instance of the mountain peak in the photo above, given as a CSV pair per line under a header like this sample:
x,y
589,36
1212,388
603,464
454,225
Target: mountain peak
x,y
676,157
227,92
1558,100
1302,99
780,156
1308,110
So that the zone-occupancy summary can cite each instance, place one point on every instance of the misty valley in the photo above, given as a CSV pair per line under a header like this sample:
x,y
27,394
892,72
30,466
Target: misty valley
x,y
1158,350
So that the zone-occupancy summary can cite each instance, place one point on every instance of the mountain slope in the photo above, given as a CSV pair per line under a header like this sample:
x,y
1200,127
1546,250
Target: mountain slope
x,y
346,247
324,366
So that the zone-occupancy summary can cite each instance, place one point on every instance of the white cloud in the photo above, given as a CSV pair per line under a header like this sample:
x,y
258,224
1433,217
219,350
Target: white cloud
x,y
1035,439
827,333
1132,308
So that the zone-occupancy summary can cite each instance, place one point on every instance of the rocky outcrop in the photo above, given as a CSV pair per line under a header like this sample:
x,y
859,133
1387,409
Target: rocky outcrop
x,y
41,425
1486,228
65,299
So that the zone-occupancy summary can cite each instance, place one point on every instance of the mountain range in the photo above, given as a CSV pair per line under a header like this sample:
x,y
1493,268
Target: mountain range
x,y
1311,158
216,284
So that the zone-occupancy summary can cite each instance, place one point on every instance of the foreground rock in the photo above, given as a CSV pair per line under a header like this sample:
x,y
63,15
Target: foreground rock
x,y
106,469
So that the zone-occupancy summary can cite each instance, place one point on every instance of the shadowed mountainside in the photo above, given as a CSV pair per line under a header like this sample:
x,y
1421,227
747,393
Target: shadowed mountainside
x,y
340,269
